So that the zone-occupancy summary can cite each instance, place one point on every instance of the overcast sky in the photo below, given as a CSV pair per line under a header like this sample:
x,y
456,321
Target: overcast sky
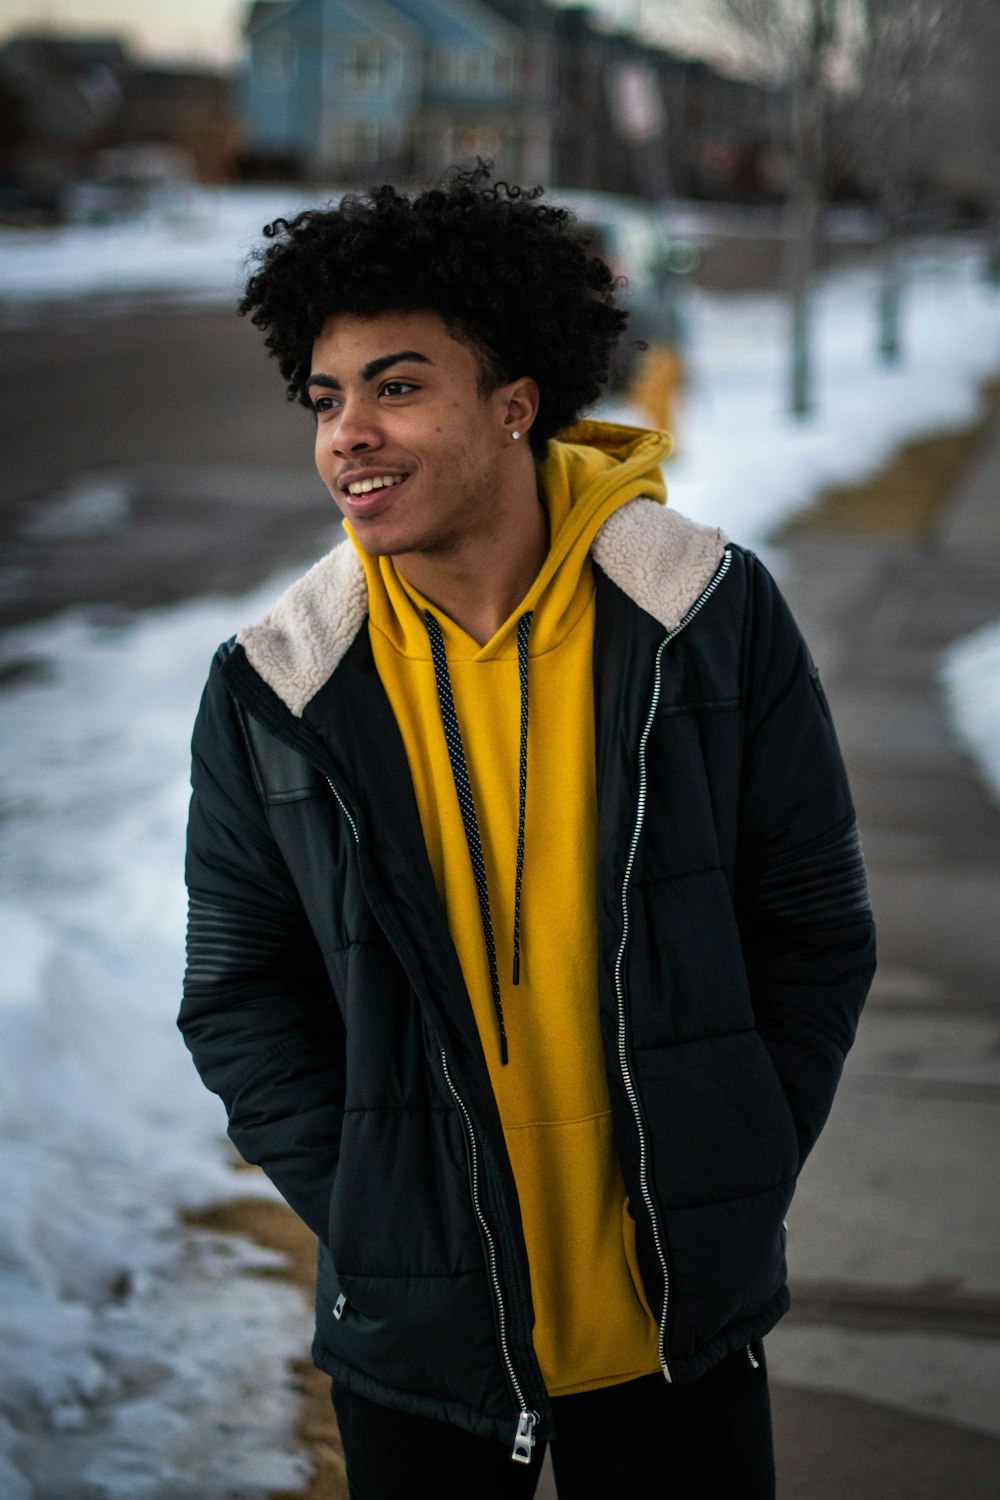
x,y
208,31
203,30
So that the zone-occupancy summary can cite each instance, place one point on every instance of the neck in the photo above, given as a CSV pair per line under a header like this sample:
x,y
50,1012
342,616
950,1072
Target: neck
x,y
480,582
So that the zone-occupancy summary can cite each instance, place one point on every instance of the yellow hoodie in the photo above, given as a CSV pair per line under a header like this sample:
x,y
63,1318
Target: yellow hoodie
x,y
592,1325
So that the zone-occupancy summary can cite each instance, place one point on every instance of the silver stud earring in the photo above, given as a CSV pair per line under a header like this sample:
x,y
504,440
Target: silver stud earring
x,y
515,436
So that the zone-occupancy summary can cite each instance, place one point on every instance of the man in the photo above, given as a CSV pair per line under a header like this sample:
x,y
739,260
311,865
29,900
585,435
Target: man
x,y
529,926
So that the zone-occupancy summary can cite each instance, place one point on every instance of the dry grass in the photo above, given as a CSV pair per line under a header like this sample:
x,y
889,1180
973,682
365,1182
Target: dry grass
x,y
906,497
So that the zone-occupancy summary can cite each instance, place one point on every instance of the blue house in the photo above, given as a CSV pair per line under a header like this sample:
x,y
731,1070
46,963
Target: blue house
x,y
331,85
343,88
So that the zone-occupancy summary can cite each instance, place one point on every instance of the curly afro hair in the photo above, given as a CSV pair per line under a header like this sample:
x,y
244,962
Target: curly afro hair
x,y
511,276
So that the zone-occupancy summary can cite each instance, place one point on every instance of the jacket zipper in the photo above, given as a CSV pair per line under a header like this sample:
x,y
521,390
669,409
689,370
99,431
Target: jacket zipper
x,y
344,809
524,1437
633,1098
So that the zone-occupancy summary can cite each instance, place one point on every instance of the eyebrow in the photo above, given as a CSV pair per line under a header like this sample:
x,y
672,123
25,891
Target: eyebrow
x,y
371,369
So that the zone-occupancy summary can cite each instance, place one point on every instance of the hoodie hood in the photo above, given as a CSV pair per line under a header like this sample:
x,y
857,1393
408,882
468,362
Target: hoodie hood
x,y
584,478
595,469
606,495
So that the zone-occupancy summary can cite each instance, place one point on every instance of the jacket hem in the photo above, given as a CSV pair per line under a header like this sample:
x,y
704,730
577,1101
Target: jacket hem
x,y
687,1367
438,1409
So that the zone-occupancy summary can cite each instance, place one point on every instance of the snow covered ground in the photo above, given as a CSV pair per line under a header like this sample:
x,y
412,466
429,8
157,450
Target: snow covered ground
x,y
137,1363
197,246
196,253
742,464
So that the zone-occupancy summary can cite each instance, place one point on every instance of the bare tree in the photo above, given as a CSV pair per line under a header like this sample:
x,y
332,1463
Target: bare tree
x,y
797,37
900,53
966,116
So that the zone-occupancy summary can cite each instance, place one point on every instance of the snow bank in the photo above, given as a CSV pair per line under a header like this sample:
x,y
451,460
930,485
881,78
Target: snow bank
x,y
971,675
136,1362
745,465
198,252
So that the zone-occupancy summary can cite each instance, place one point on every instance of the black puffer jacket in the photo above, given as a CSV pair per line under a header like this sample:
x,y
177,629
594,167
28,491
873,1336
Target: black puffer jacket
x,y
325,1004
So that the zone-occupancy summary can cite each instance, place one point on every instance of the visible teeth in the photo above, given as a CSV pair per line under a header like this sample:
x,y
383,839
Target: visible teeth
x,y
380,482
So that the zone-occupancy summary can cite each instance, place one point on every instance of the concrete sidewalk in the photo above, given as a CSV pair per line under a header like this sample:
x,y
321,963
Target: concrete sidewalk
x,y
887,1371
886,1374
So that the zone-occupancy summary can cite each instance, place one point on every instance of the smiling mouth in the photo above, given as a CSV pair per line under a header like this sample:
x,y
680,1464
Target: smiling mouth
x,y
369,497
357,488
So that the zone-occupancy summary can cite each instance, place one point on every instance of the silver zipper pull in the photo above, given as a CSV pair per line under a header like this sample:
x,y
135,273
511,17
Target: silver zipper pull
x,y
338,1311
524,1438
754,1361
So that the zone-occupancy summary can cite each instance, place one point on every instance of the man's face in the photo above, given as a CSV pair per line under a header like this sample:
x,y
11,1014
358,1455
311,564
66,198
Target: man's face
x,y
405,443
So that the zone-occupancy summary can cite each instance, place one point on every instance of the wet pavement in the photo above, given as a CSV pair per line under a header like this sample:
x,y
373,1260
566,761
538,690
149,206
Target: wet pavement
x,y
149,457
887,1371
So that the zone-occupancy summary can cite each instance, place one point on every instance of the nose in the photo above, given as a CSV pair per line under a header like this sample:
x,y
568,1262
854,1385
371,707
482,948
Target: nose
x,y
356,430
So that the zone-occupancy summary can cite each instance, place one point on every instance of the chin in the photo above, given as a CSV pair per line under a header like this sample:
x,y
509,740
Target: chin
x,y
378,544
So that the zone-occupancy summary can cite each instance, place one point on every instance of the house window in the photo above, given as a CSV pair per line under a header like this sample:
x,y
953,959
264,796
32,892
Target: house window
x,y
277,57
472,140
364,67
503,70
462,67
359,141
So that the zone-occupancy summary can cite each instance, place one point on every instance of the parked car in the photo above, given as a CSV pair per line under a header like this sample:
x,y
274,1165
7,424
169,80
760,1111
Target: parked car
x,y
132,182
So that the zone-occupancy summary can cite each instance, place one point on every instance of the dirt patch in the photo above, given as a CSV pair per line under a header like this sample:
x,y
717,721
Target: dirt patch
x,y
907,497
276,1228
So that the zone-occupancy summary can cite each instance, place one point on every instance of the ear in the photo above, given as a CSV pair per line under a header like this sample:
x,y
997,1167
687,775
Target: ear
x,y
518,405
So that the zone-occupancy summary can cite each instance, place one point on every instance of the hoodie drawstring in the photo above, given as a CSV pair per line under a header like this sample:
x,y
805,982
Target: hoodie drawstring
x,y
523,631
467,806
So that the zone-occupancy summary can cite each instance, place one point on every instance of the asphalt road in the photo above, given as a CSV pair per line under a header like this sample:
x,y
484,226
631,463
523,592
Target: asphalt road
x,y
149,455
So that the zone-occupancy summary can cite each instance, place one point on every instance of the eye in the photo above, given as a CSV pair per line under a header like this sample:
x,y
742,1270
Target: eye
x,y
398,388
322,404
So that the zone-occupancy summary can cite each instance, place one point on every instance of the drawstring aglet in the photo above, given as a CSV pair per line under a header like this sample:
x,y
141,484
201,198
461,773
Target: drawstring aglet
x,y
517,968
503,1048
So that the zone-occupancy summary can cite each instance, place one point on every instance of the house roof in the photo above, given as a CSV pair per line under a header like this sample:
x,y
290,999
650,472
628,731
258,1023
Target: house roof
x,y
376,16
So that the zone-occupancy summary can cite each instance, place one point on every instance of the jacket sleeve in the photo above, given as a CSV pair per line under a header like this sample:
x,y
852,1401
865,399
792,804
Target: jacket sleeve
x,y
258,1012
802,893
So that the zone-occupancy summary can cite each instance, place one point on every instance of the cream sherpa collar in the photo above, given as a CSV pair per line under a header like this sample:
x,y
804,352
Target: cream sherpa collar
x,y
660,559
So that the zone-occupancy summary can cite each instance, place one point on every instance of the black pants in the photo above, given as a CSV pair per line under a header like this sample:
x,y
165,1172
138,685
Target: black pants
x,y
644,1440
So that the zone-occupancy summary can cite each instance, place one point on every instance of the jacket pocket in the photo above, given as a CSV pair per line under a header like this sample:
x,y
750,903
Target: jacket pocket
x,y
632,1259
424,1338
782,1097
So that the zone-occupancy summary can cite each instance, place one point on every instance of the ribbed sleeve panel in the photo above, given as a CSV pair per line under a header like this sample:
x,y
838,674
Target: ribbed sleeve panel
x,y
825,883
223,943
